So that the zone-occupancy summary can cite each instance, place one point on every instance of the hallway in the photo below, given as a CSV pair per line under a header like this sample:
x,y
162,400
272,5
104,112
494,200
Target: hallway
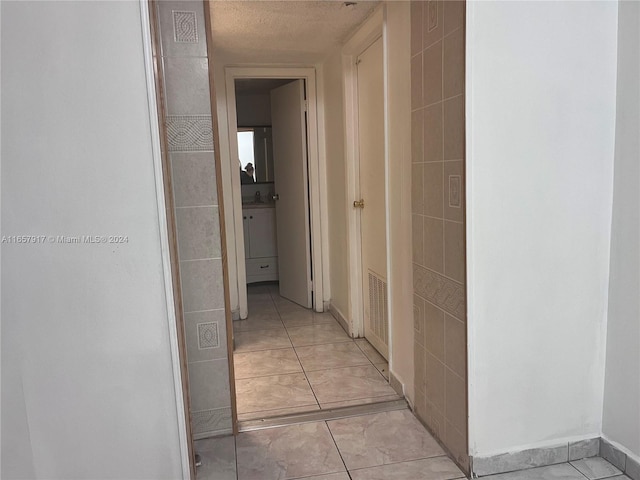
x,y
289,359
382,446
386,445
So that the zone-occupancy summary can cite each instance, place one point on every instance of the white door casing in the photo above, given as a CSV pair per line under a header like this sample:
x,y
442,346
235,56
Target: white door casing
x,y
288,127
231,179
373,225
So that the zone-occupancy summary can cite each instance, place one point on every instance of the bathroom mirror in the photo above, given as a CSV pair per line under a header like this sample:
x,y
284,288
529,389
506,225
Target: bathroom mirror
x,y
255,147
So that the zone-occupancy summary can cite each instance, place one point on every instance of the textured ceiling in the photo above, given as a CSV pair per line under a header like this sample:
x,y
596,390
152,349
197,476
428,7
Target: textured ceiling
x,y
290,31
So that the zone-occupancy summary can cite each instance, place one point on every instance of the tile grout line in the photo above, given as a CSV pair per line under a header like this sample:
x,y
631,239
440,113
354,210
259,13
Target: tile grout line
x,y
326,422
297,356
235,450
304,371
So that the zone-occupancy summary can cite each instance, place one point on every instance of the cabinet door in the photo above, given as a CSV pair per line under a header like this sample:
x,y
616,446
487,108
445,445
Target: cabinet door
x,y
262,232
245,229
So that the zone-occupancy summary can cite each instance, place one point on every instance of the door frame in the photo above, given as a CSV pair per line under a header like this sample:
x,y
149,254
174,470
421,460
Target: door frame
x,y
168,237
231,177
368,33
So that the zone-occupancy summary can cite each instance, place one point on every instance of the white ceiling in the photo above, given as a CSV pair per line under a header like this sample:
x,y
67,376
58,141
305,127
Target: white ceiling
x,y
290,31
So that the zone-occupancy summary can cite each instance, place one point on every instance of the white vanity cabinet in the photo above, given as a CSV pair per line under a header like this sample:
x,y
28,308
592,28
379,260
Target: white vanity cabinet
x,y
260,244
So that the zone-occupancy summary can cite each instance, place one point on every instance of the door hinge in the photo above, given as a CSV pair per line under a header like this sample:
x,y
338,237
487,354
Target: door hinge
x,y
306,105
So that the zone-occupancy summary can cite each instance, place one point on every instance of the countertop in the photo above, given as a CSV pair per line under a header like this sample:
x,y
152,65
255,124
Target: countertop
x,y
258,205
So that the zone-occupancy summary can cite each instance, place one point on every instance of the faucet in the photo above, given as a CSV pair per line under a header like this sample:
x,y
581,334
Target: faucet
x,y
258,199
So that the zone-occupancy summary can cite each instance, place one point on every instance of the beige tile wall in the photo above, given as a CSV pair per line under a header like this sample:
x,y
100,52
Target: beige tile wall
x,y
437,99
185,68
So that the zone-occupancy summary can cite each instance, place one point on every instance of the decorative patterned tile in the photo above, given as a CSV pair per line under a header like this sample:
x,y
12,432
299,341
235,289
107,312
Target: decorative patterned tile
x,y
214,420
188,133
208,335
194,351
441,291
185,27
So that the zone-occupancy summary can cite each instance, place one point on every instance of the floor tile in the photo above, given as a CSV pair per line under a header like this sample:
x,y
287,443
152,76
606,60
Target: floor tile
x,y
331,476
438,468
382,438
256,290
265,362
260,303
349,383
243,417
316,334
287,453
383,368
359,401
307,317
595,468
284,305
218,457
261,340
261,321
273,392
331,355
371,353
562,471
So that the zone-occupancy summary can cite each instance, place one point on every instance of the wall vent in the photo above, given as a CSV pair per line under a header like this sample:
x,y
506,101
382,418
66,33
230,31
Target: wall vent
x,y
378,311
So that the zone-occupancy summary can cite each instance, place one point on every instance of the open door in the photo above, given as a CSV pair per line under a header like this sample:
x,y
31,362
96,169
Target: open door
x,y
371,145
289,131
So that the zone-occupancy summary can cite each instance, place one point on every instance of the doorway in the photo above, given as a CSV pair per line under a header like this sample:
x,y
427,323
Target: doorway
x,y
274,182
297,204
371,205
288,358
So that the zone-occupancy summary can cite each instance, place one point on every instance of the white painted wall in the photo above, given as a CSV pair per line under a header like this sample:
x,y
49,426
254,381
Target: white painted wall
x,y
332,81
397,28
87,383
541,80
621,419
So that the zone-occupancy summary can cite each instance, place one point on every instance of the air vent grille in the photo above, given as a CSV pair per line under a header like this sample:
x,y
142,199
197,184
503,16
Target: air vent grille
x,y
378,311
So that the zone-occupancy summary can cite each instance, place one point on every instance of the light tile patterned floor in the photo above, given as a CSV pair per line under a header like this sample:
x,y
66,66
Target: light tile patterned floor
x,y
289,359
381,446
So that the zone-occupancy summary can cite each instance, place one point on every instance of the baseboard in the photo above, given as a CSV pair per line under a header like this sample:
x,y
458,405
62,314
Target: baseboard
x,y
396,384
534,457
559,453
337,314
621,458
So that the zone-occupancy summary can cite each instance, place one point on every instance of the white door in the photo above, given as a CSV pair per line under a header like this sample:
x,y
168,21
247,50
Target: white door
x,y
292,207
371,145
